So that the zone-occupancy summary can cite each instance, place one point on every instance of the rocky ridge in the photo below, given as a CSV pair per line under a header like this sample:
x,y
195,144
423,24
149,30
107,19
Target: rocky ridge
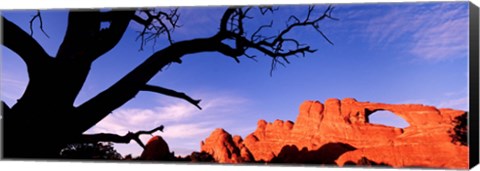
x,y
338,132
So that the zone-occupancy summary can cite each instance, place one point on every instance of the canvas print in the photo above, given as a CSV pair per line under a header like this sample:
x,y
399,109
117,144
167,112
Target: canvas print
x,y
327,85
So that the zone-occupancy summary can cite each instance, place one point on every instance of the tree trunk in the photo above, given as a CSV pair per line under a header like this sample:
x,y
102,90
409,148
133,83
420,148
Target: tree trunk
x,y
39,125
35,137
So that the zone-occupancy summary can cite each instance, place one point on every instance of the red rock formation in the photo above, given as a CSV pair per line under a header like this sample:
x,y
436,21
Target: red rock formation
x,y
342,126
156,149
224,148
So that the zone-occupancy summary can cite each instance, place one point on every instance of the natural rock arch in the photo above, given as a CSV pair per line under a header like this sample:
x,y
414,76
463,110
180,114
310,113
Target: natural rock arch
x,y
346,121
387,118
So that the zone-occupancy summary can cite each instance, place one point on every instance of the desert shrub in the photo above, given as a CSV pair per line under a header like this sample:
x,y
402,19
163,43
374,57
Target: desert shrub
x,y
91,151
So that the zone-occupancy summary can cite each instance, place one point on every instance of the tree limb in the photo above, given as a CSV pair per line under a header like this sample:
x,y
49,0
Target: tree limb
x,y
275,46
172,93
156,24
82,27
24,45
98,107
226,16
39,16
85,40
106,137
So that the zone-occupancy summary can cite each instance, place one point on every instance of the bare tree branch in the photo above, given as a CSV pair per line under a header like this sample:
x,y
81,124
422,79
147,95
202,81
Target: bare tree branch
x,y
307,22
172,93
226,16
156,24
265,9
24,45
255,35
39,16
277,46
85,41
95,109
106,137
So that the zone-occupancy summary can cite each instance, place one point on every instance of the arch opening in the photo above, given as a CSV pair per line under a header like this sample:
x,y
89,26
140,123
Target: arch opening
x,y
387,118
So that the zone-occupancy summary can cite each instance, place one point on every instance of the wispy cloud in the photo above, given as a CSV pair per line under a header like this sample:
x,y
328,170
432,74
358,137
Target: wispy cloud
x,y
454,99
12,88
184,123
427,31
187,130
173,112
458,103
442,41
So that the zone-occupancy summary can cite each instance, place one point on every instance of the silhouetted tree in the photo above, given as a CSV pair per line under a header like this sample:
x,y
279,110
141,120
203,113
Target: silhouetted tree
x,y
46,110
200,157
91,151
459,132
326,154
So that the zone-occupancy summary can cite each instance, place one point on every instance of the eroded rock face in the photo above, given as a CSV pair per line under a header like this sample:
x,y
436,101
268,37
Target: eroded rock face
x,y
156,149
338,132
224,148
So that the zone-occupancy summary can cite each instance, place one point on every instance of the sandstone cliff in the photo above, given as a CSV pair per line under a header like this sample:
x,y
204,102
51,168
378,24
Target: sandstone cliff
x,y
338,132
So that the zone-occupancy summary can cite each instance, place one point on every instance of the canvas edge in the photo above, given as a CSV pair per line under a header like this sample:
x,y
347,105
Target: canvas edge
x,y
473,119
473,126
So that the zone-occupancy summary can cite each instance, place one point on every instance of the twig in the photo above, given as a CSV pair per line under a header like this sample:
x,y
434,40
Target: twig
x,y
39,16
107,137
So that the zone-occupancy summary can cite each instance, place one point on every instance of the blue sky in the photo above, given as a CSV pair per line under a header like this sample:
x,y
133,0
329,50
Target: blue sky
x,y
390,53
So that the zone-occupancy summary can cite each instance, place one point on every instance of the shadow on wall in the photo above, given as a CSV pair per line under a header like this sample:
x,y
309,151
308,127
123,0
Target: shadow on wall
x,y
365,162
327,154
459,132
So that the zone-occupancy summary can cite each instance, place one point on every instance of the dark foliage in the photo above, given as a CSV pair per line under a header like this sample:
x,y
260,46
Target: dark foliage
x,y
460,131
327,154
91,151
201,157
365,162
